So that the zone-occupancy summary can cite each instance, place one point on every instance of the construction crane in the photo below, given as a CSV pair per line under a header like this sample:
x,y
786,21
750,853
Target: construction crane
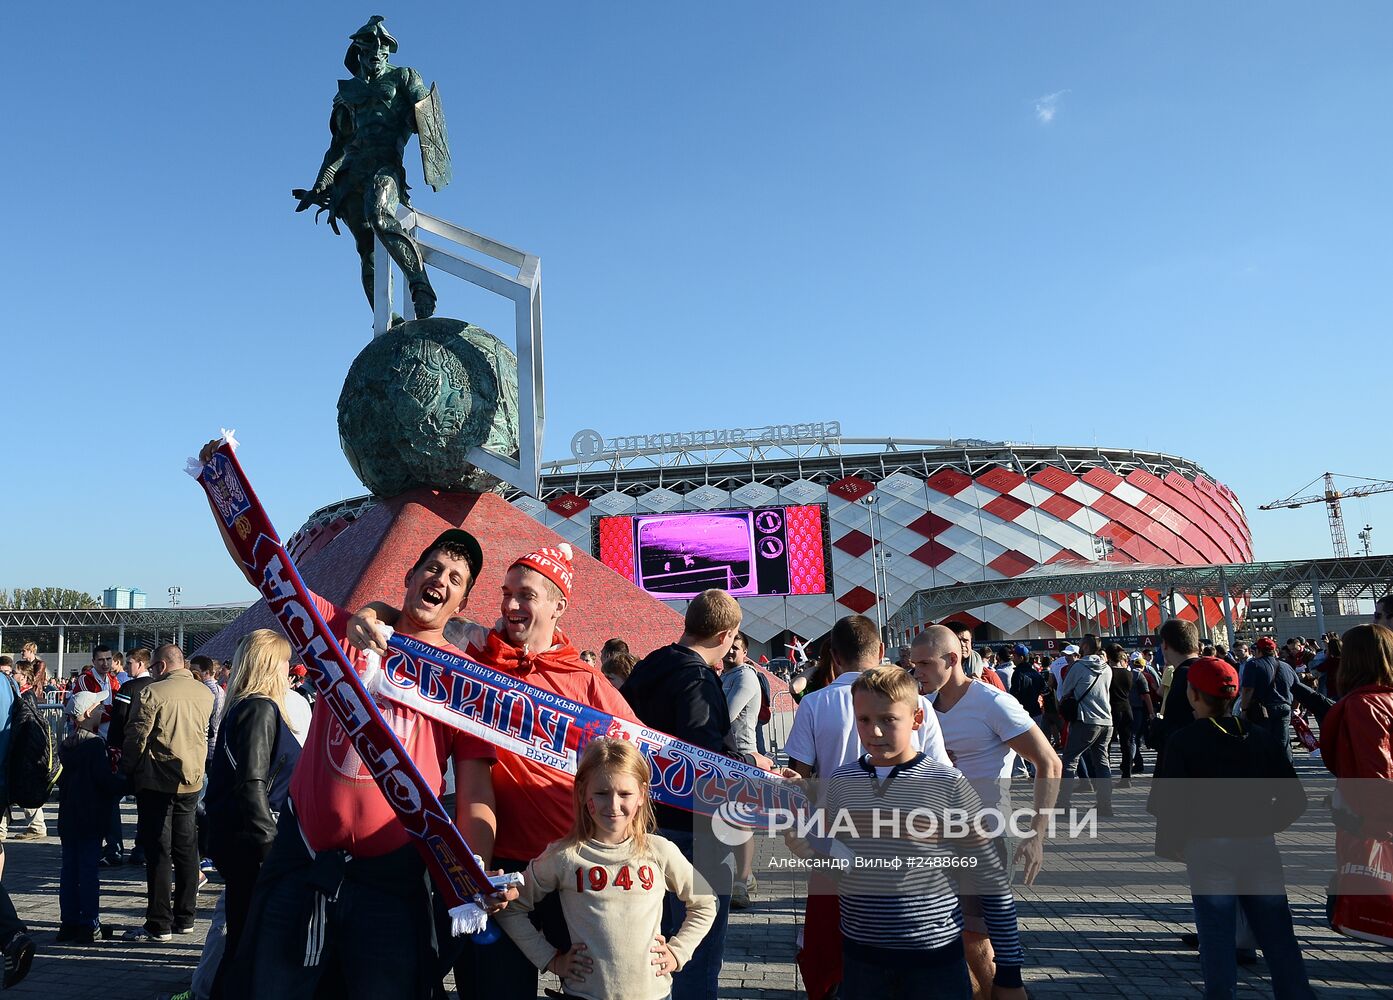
x,y
1331,498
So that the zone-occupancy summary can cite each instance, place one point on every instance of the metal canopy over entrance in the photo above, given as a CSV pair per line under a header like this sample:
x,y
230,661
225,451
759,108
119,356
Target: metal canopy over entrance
x,y
1350,578
58,631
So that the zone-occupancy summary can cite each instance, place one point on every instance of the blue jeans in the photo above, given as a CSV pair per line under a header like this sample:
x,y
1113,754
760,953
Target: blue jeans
x,y
1229,873
79,884
863,980
1141,722
701,976
115,840
1279,724
1087,744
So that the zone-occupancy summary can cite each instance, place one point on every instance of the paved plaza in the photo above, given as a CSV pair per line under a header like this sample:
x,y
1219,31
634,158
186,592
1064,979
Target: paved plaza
x,y
1095,923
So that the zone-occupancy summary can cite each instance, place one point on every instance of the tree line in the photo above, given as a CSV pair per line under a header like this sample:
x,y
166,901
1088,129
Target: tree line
x,y
48,598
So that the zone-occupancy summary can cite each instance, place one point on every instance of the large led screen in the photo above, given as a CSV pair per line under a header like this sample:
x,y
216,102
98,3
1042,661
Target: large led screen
x,y
750,552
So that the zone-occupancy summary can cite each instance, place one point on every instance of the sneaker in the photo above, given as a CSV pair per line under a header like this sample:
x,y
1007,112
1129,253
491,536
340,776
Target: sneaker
x,y
19,955
31,835
752,885
141,934
202,881
206,866
182,928
67,932
112,860
739,896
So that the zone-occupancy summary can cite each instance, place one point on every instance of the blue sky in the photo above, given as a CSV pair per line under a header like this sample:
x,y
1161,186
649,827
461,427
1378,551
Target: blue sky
x,y
1163,228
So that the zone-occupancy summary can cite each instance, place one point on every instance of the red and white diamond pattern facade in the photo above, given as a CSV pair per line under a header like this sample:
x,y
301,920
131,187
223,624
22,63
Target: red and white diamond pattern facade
x,y
952,522
955,527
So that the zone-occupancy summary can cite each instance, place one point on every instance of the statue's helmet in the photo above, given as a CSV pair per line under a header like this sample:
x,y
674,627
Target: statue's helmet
x,y
373,29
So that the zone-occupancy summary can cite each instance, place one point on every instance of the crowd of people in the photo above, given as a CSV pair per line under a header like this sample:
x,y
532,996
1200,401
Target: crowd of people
x,y
320,880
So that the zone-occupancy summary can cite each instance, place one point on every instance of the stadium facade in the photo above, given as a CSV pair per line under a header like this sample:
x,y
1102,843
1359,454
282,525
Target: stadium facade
x,y
872,523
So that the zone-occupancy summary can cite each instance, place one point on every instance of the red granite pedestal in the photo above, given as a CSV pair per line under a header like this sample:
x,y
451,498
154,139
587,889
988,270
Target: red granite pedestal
x,y
368,561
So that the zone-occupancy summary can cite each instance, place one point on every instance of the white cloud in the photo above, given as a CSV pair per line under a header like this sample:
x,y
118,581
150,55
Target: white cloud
x,y
1048,106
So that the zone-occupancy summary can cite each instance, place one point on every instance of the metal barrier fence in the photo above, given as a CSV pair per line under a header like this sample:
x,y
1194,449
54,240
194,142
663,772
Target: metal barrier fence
x,y
53,715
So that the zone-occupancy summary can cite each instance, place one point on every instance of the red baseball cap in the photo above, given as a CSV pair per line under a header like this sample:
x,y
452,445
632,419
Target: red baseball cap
x,y
1213,676
298,670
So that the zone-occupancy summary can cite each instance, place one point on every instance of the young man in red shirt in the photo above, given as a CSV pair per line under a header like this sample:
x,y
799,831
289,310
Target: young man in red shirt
x,y
533,803
342,897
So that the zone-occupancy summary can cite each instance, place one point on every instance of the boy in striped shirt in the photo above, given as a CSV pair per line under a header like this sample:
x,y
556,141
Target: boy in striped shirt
x,y
904,826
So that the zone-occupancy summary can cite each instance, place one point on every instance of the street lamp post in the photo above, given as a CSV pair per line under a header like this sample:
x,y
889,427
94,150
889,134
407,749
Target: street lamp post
x,y
868,502
174,597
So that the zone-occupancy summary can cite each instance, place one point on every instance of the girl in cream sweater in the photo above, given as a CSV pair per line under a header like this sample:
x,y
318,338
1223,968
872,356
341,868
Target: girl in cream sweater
x,y
612,871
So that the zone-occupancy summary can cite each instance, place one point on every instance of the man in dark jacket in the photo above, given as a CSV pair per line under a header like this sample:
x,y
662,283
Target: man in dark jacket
x,y
1267,691
138,668
676,690
1180,646
1223,790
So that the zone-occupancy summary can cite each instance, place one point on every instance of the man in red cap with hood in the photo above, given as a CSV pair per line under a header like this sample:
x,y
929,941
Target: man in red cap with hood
x,y
533,803
1222,791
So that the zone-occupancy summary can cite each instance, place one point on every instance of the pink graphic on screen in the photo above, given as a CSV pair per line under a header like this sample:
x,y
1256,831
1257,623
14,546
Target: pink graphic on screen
x,y
683,555
767,551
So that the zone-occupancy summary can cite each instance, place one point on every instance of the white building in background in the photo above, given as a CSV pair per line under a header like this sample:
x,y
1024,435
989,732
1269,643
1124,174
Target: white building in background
x,y
123,598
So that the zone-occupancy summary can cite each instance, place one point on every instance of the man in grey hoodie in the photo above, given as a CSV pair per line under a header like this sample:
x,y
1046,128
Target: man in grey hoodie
x,y
740,684
1088,680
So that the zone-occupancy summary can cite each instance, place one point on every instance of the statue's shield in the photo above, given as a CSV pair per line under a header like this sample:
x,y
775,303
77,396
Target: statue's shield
x,y
435,141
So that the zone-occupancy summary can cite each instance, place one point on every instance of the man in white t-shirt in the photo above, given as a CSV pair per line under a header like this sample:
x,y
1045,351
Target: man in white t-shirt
x,y
984,729
824,738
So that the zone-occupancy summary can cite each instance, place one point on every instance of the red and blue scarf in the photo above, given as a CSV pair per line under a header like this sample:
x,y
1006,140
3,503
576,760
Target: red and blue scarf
x,y
456,871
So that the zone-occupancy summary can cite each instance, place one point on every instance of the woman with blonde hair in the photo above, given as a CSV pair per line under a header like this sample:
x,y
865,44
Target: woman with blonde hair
x,y
612,873
249,778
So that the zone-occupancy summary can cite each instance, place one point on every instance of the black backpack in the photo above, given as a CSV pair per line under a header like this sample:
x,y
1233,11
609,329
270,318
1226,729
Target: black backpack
x,y
34,766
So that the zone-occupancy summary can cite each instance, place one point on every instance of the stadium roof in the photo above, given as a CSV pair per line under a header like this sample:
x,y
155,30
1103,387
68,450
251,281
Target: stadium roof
x,y
870,458
819,463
